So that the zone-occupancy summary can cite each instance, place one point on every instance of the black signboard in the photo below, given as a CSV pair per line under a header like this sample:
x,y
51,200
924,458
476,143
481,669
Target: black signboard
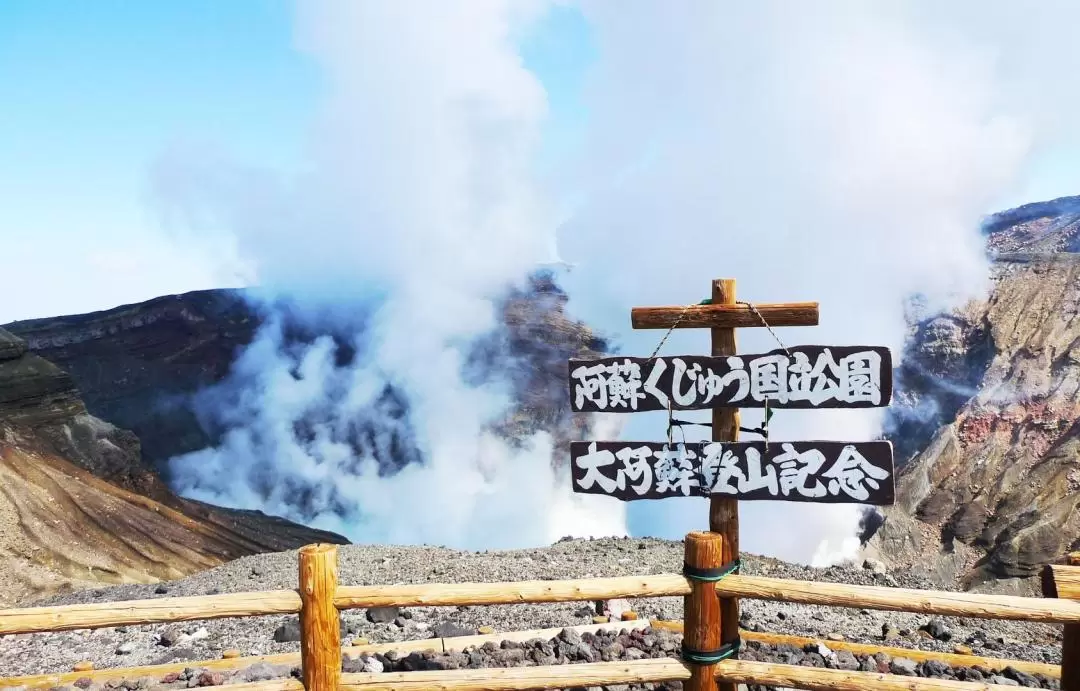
x,y
799,377
827,472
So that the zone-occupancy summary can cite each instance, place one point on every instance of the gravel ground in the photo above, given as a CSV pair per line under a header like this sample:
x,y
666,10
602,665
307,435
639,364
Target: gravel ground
x,y
572,647
374,565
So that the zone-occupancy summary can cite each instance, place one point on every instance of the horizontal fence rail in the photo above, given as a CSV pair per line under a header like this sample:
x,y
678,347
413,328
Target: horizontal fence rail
x,y
979,606
319,599
458,643
135,612
944,603
523,592
610,673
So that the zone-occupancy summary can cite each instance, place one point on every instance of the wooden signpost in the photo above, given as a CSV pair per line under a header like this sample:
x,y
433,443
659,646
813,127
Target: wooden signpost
x,y
727,470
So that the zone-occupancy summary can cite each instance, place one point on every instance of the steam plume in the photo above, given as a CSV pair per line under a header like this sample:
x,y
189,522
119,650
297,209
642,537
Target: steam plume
x,y
841,152
419,212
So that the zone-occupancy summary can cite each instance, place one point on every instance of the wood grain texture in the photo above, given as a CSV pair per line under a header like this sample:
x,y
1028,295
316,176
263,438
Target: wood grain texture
x,y
1052,671
957,604
437,645
611,673
133,612
702,608
1063,581
461,642
320,632
817,679
100,676
725,316
458,594
1070,658
514,678
724,511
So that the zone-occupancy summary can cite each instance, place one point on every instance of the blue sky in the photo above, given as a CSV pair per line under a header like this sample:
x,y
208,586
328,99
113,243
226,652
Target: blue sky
x,y
92,92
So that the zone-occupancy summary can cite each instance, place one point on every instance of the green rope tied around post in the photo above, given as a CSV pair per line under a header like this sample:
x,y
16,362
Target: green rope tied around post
x,y
711,657
711,575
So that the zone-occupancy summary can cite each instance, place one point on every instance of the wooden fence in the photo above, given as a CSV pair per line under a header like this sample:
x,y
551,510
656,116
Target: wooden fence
x,y
319,600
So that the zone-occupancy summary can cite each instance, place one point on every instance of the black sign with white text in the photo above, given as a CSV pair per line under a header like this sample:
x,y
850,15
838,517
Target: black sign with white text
x,y
828,472
801,377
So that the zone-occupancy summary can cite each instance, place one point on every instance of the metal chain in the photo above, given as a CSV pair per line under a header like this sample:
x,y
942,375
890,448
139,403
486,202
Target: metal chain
x,y
766,325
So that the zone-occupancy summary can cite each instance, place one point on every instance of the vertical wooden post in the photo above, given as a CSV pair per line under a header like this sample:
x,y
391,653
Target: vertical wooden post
x,y
724,511
320,629
702,616
1070,646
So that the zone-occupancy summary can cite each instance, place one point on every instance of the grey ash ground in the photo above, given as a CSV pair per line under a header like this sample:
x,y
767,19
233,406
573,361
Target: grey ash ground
x,y
364,565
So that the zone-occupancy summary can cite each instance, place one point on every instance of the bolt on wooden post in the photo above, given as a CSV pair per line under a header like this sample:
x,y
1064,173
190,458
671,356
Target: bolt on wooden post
x,y
727,470
320,628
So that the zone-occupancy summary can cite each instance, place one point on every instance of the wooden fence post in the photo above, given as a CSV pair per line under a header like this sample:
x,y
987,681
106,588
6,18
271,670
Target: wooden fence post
x,y
320,632
702,617
724,511
1062,582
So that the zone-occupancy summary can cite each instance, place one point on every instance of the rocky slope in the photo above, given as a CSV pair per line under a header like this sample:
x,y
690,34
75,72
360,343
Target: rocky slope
x,y
78,508
986,416
84,496
136,365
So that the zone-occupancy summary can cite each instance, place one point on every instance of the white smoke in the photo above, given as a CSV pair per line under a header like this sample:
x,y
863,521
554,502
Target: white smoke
x,y
420,195
834,151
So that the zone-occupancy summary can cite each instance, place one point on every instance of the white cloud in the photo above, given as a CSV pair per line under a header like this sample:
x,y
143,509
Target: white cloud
x,y
840,152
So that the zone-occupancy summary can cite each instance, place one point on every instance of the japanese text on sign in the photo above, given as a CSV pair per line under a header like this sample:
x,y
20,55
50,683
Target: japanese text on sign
x,y
803,377
814,471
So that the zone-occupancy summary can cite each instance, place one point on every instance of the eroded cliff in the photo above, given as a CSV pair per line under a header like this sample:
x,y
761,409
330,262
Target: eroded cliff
x,y
986,418
79,508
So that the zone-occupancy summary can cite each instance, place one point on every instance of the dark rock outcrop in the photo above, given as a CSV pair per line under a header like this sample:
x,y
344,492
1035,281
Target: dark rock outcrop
x,y
986,417
138,365
145,368
78,507
142,366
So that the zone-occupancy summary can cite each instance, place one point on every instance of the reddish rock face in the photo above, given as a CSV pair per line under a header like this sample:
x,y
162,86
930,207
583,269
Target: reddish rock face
x,y
991,491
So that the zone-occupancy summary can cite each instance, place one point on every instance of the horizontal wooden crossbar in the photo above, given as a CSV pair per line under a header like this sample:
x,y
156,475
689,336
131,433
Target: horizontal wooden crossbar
x,y
641,671
458,643
134,612
944,603
1061,581
725,316
754,587
457,594
951,659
